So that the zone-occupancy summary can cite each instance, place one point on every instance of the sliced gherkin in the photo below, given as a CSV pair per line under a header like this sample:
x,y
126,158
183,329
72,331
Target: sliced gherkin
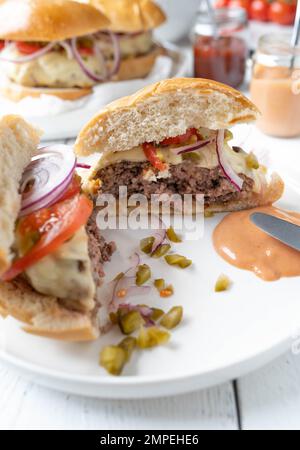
x,y
113,359
172,318
152,337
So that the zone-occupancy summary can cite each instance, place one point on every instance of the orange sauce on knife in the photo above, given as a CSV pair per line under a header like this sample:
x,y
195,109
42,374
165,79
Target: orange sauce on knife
x,y
244,245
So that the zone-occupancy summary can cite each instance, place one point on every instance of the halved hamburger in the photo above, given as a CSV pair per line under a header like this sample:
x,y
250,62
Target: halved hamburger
x,y
173,137
51,250
65,48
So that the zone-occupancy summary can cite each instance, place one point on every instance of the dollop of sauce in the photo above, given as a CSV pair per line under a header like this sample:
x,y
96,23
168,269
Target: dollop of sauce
x,y
244,245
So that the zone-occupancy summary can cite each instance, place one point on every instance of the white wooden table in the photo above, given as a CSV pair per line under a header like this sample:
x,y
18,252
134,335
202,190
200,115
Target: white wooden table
x,y
266,399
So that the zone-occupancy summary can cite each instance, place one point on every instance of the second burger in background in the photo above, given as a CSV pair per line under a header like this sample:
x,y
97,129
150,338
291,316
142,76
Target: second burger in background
x,y
65,48
132,24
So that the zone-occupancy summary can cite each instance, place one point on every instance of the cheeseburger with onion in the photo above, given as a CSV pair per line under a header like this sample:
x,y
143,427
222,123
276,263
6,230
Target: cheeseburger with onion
x,y
65,48
51,250
173,138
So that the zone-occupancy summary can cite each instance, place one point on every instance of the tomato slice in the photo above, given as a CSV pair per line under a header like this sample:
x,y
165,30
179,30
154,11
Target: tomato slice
x,y
2,45
56,225
27,48
180,139
86,51
151,154
73,189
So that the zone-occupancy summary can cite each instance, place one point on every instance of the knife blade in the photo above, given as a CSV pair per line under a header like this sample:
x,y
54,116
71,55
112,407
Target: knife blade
x,y
280,229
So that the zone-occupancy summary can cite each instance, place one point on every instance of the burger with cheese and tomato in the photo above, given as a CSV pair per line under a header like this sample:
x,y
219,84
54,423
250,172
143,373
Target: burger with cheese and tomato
x,y
65,48
173,138
51,250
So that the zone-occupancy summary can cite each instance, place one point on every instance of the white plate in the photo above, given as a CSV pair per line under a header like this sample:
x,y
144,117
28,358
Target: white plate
x,y
223,335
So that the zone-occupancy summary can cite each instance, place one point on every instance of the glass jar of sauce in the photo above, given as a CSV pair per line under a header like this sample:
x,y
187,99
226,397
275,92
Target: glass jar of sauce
x,y
220,45
275,85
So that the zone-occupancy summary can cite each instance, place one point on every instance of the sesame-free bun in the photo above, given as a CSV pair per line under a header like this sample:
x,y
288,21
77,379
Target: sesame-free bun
x,y
17,92
18,143
48,20
44,315
131,16
164,109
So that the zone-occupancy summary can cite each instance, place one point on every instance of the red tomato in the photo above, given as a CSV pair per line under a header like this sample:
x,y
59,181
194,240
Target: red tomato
x,y
151,154
282,12
86,51
73,189
2,45
56,225
245,4
221,3
180,139
27,48
259,10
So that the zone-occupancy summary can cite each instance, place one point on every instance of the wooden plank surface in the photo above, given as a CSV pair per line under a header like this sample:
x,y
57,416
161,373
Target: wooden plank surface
x,y
270,398
24,405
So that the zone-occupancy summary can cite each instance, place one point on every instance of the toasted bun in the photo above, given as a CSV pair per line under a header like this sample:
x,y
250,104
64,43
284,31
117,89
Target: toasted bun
x,y
138,67
17,92
44,316
18,142
131,16
48,20
164,109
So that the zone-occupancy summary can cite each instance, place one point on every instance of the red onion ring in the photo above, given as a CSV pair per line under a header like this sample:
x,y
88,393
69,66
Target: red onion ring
x,y
117,54
230,174
32,57
67,47
115,38
51,172
82,65
191,147
83,166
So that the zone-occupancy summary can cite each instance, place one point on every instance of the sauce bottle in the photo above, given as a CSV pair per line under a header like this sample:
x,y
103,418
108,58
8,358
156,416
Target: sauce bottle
x,y
275,85
220,45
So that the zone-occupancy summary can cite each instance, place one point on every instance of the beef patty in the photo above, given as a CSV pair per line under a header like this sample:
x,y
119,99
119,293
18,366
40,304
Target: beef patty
x,y
186,178
99,250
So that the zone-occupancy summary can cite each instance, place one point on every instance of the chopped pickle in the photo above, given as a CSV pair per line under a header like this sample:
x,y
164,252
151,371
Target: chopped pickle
x,y
183,264
162,250
178,260
192,156
252,162
172,318
143,274
152,337
172,236
159,284
228,135
113,359
208,214
264,169
156,314
129,321
128,345
113,318
119,276
147,244
223,283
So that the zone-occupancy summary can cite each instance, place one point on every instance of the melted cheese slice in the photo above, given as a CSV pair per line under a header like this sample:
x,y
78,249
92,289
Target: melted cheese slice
x,y
66,273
